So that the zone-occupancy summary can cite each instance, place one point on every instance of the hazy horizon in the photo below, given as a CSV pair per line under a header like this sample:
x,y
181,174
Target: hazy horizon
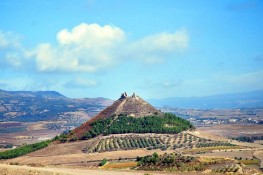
x,y
87,48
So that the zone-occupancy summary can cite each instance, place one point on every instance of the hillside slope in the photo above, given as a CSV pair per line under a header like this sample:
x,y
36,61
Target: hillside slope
x,y
29,106
128,106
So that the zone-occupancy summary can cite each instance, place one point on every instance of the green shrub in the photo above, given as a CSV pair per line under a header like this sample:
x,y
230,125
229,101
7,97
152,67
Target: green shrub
x,y
148,124
24,150
103,162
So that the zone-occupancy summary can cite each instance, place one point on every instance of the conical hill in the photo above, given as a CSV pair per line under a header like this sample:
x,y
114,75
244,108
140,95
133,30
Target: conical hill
x,y
133,106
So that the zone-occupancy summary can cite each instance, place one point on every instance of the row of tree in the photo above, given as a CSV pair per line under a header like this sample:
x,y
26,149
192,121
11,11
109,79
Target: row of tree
x,y
128,143
214,144
249,139
24,150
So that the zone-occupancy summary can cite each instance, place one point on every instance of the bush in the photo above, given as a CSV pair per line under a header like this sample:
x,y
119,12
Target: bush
x,y
103,162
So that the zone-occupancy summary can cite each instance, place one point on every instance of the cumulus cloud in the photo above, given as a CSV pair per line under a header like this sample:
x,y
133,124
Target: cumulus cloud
x,y
92,47
154,49
91,36
85,48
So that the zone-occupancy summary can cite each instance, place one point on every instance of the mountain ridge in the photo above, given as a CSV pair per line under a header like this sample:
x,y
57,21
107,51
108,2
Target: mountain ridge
x,y
42,94
31,106
221,101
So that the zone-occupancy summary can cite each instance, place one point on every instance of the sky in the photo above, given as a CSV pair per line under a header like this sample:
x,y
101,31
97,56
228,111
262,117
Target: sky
x,y
157,49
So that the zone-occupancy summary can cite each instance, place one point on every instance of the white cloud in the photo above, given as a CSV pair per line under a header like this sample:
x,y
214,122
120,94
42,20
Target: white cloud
x,y
153,49
91,36
91,48
164,42
87,48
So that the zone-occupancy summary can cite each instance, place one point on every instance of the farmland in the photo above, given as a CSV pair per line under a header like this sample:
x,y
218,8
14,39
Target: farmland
x,y
234,130
120,165
155,141
19,133
121,152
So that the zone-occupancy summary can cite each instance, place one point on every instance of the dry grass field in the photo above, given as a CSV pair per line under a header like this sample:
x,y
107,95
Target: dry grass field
x,y
19,133
120,165
26,170
207,135
79,158
209,149
229,154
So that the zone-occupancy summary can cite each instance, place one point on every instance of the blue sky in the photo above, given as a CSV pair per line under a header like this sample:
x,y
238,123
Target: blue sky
x,y
89,48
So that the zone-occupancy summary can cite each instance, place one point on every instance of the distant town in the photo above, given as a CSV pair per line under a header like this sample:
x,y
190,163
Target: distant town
x,y
200,117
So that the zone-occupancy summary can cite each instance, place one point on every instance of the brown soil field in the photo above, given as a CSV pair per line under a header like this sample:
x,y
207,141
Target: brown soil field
x,y
207,135
233,130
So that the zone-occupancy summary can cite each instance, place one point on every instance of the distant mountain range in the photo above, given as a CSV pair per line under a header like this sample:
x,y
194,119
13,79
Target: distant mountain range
x,y
30,106
39,94
235,100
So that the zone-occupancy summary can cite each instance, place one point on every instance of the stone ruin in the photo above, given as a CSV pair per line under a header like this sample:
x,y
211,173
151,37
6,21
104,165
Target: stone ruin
x,y
124,95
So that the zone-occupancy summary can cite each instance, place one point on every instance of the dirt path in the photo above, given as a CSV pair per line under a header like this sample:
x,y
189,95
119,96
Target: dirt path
x,y
120,107
26,170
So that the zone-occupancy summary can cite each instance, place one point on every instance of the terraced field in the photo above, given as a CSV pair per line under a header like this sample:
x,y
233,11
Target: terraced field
x,y
152,141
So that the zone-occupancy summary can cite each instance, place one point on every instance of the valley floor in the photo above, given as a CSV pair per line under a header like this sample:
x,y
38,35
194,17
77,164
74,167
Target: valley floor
x,y
69,158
